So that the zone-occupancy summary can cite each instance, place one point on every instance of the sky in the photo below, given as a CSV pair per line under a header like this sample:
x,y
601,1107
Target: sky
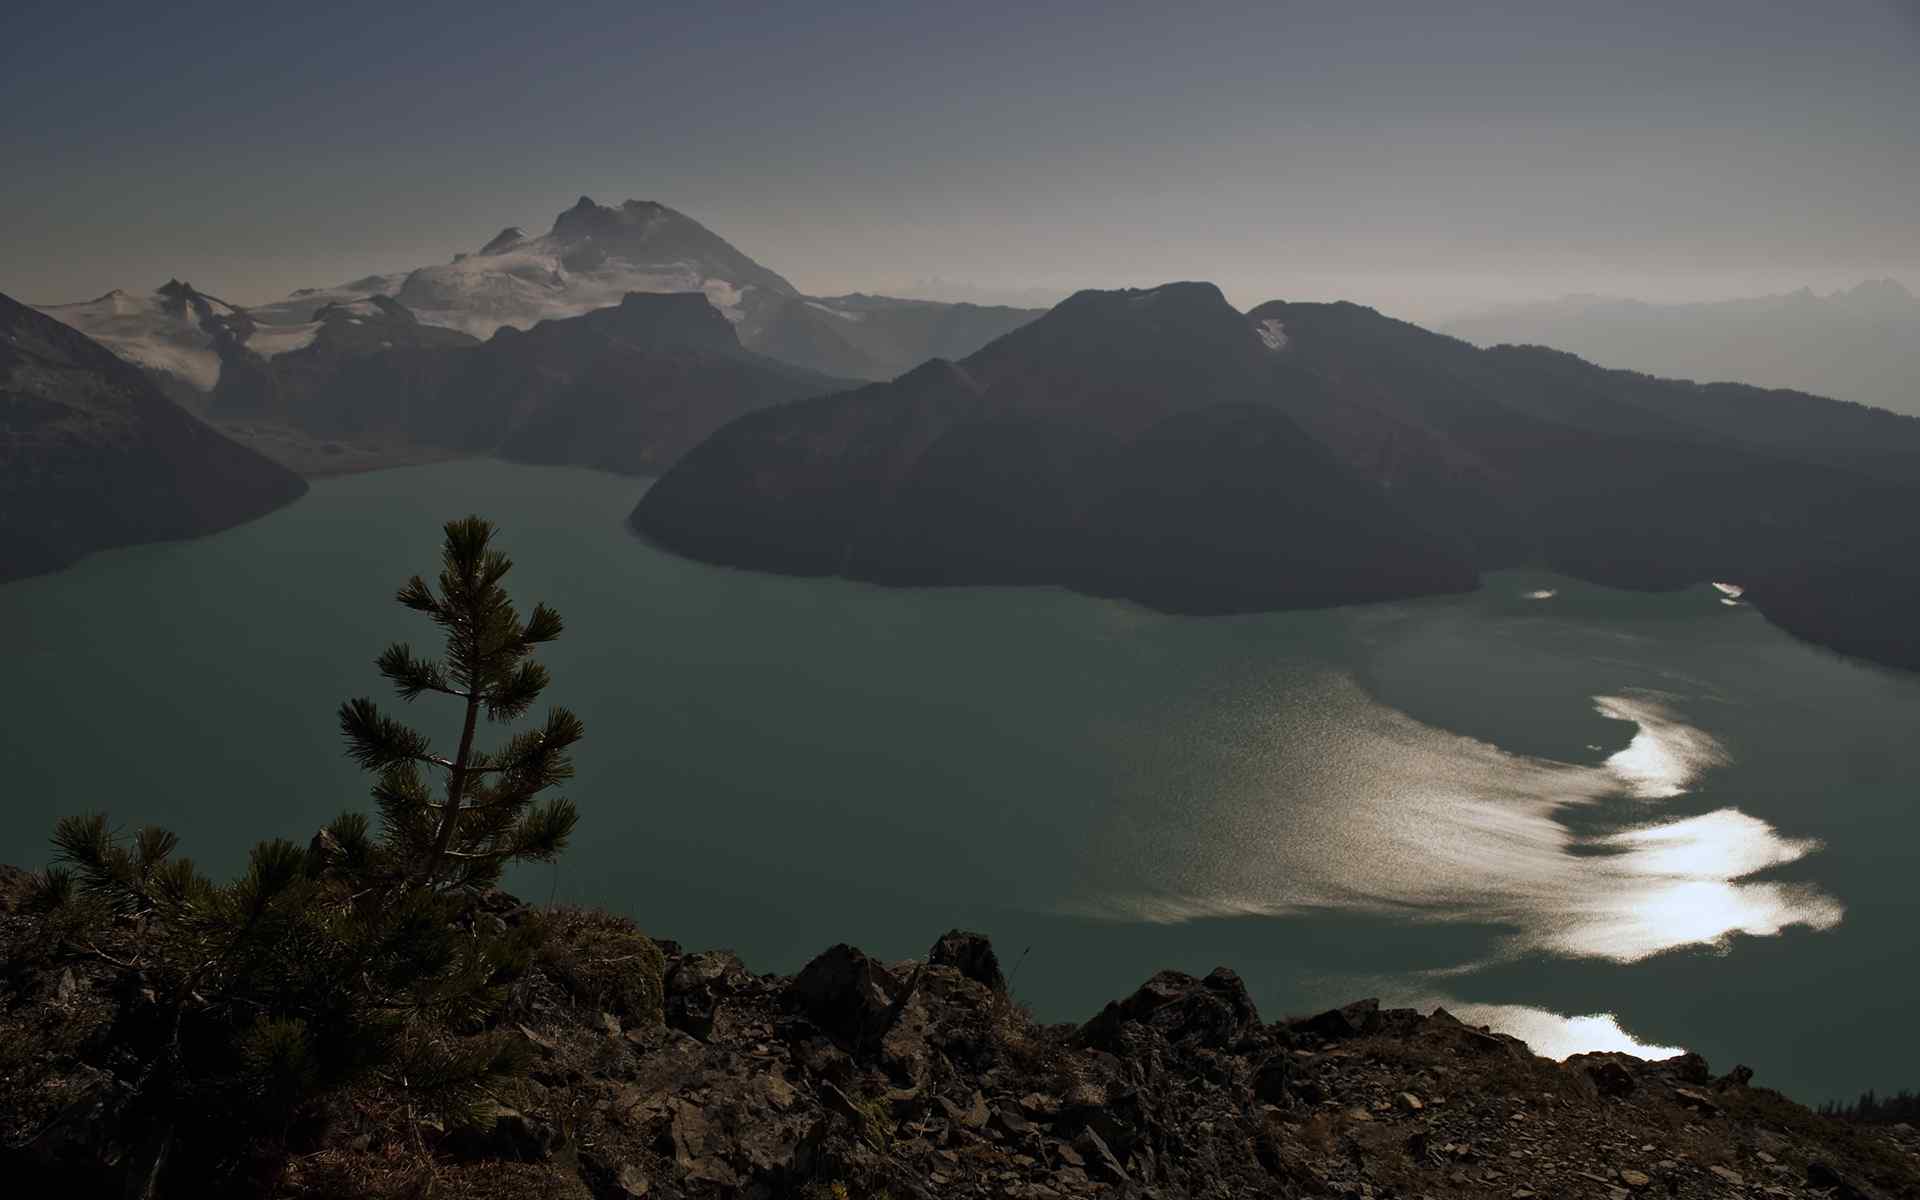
x,y
1427,158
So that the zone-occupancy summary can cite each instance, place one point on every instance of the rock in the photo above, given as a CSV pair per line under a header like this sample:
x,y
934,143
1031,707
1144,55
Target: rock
x,y
903,1047
1213,1012
1739,1077
1687,1068
1696,1100
1635,1179
1728,1175
1039,1107
1410,1102
1012,1121
1611,1079
837,1101
1100,1160
1273,1078
696,987
819,1057
714,1170
504,1132
1821,1175
972,955
1445,1029
846,993
972,1115
1338,1024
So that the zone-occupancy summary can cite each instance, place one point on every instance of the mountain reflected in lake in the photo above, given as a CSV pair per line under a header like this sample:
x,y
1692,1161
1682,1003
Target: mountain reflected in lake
x,y
1360,807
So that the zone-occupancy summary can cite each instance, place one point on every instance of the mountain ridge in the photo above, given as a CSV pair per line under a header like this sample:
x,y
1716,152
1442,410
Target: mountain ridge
x,y
1352,457
93,455
1860,344
590,257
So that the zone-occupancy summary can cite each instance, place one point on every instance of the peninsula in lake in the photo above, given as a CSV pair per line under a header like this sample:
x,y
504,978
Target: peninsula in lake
x,y
1161,446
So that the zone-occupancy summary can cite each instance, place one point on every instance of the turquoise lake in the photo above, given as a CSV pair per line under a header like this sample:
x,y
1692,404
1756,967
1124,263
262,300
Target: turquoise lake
x,y
1594,818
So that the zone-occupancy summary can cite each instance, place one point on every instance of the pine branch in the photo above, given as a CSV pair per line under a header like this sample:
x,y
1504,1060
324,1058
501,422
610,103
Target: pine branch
x,y
513,695
543,626
415,594
412,675
377,741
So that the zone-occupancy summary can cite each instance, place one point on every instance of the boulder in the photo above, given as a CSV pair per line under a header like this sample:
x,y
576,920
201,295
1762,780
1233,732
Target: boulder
x,y
1213,1012
1099,1158
612,1179
504,1132
1337,1024
1687,1068
1273,1078
1608,1074
1445,1029
1012,1121
1822,1175
847,993
1739,1077
697,985
972,955
1696,1101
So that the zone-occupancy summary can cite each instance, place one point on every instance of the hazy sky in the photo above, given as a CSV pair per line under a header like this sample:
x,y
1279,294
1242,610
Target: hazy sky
x,y
1418,155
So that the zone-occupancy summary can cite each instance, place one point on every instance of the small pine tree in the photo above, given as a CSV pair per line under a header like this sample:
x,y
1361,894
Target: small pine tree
x,y
486,817
350,961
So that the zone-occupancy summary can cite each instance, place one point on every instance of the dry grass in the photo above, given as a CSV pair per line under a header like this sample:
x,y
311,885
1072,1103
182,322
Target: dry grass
x,y
604,962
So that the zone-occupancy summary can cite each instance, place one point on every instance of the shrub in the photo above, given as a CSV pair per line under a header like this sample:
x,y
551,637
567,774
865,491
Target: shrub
x,y
604,962
353,960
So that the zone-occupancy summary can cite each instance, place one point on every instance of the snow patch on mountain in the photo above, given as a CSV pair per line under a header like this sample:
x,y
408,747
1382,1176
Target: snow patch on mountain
x,y
271,341
591,257
831,311
157,331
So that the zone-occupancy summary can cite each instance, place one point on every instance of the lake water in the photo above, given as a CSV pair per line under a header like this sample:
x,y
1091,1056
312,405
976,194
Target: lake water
x,y
1594,818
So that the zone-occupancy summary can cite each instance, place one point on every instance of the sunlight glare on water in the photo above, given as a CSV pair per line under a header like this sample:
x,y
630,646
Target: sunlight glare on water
x,y
1557,1036
1362,808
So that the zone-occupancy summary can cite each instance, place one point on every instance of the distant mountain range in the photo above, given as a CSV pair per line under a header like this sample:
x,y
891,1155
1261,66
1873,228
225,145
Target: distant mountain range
x,y
93,455
591,257
1161,446
1156,445
624,388
1861,345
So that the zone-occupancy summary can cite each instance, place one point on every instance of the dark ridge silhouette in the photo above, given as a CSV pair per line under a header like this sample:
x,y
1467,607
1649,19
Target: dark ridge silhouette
x,y
92,455
1118,446
627,388
1159,446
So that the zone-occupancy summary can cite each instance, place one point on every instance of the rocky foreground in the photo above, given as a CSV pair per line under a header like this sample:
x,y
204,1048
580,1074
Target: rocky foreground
x,y
661,1073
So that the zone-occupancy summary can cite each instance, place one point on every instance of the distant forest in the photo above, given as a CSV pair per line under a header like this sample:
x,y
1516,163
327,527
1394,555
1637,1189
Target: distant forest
x,y
1877,1110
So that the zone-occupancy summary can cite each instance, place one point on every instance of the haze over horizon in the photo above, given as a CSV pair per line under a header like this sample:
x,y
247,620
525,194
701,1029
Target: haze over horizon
x,y
1425,162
